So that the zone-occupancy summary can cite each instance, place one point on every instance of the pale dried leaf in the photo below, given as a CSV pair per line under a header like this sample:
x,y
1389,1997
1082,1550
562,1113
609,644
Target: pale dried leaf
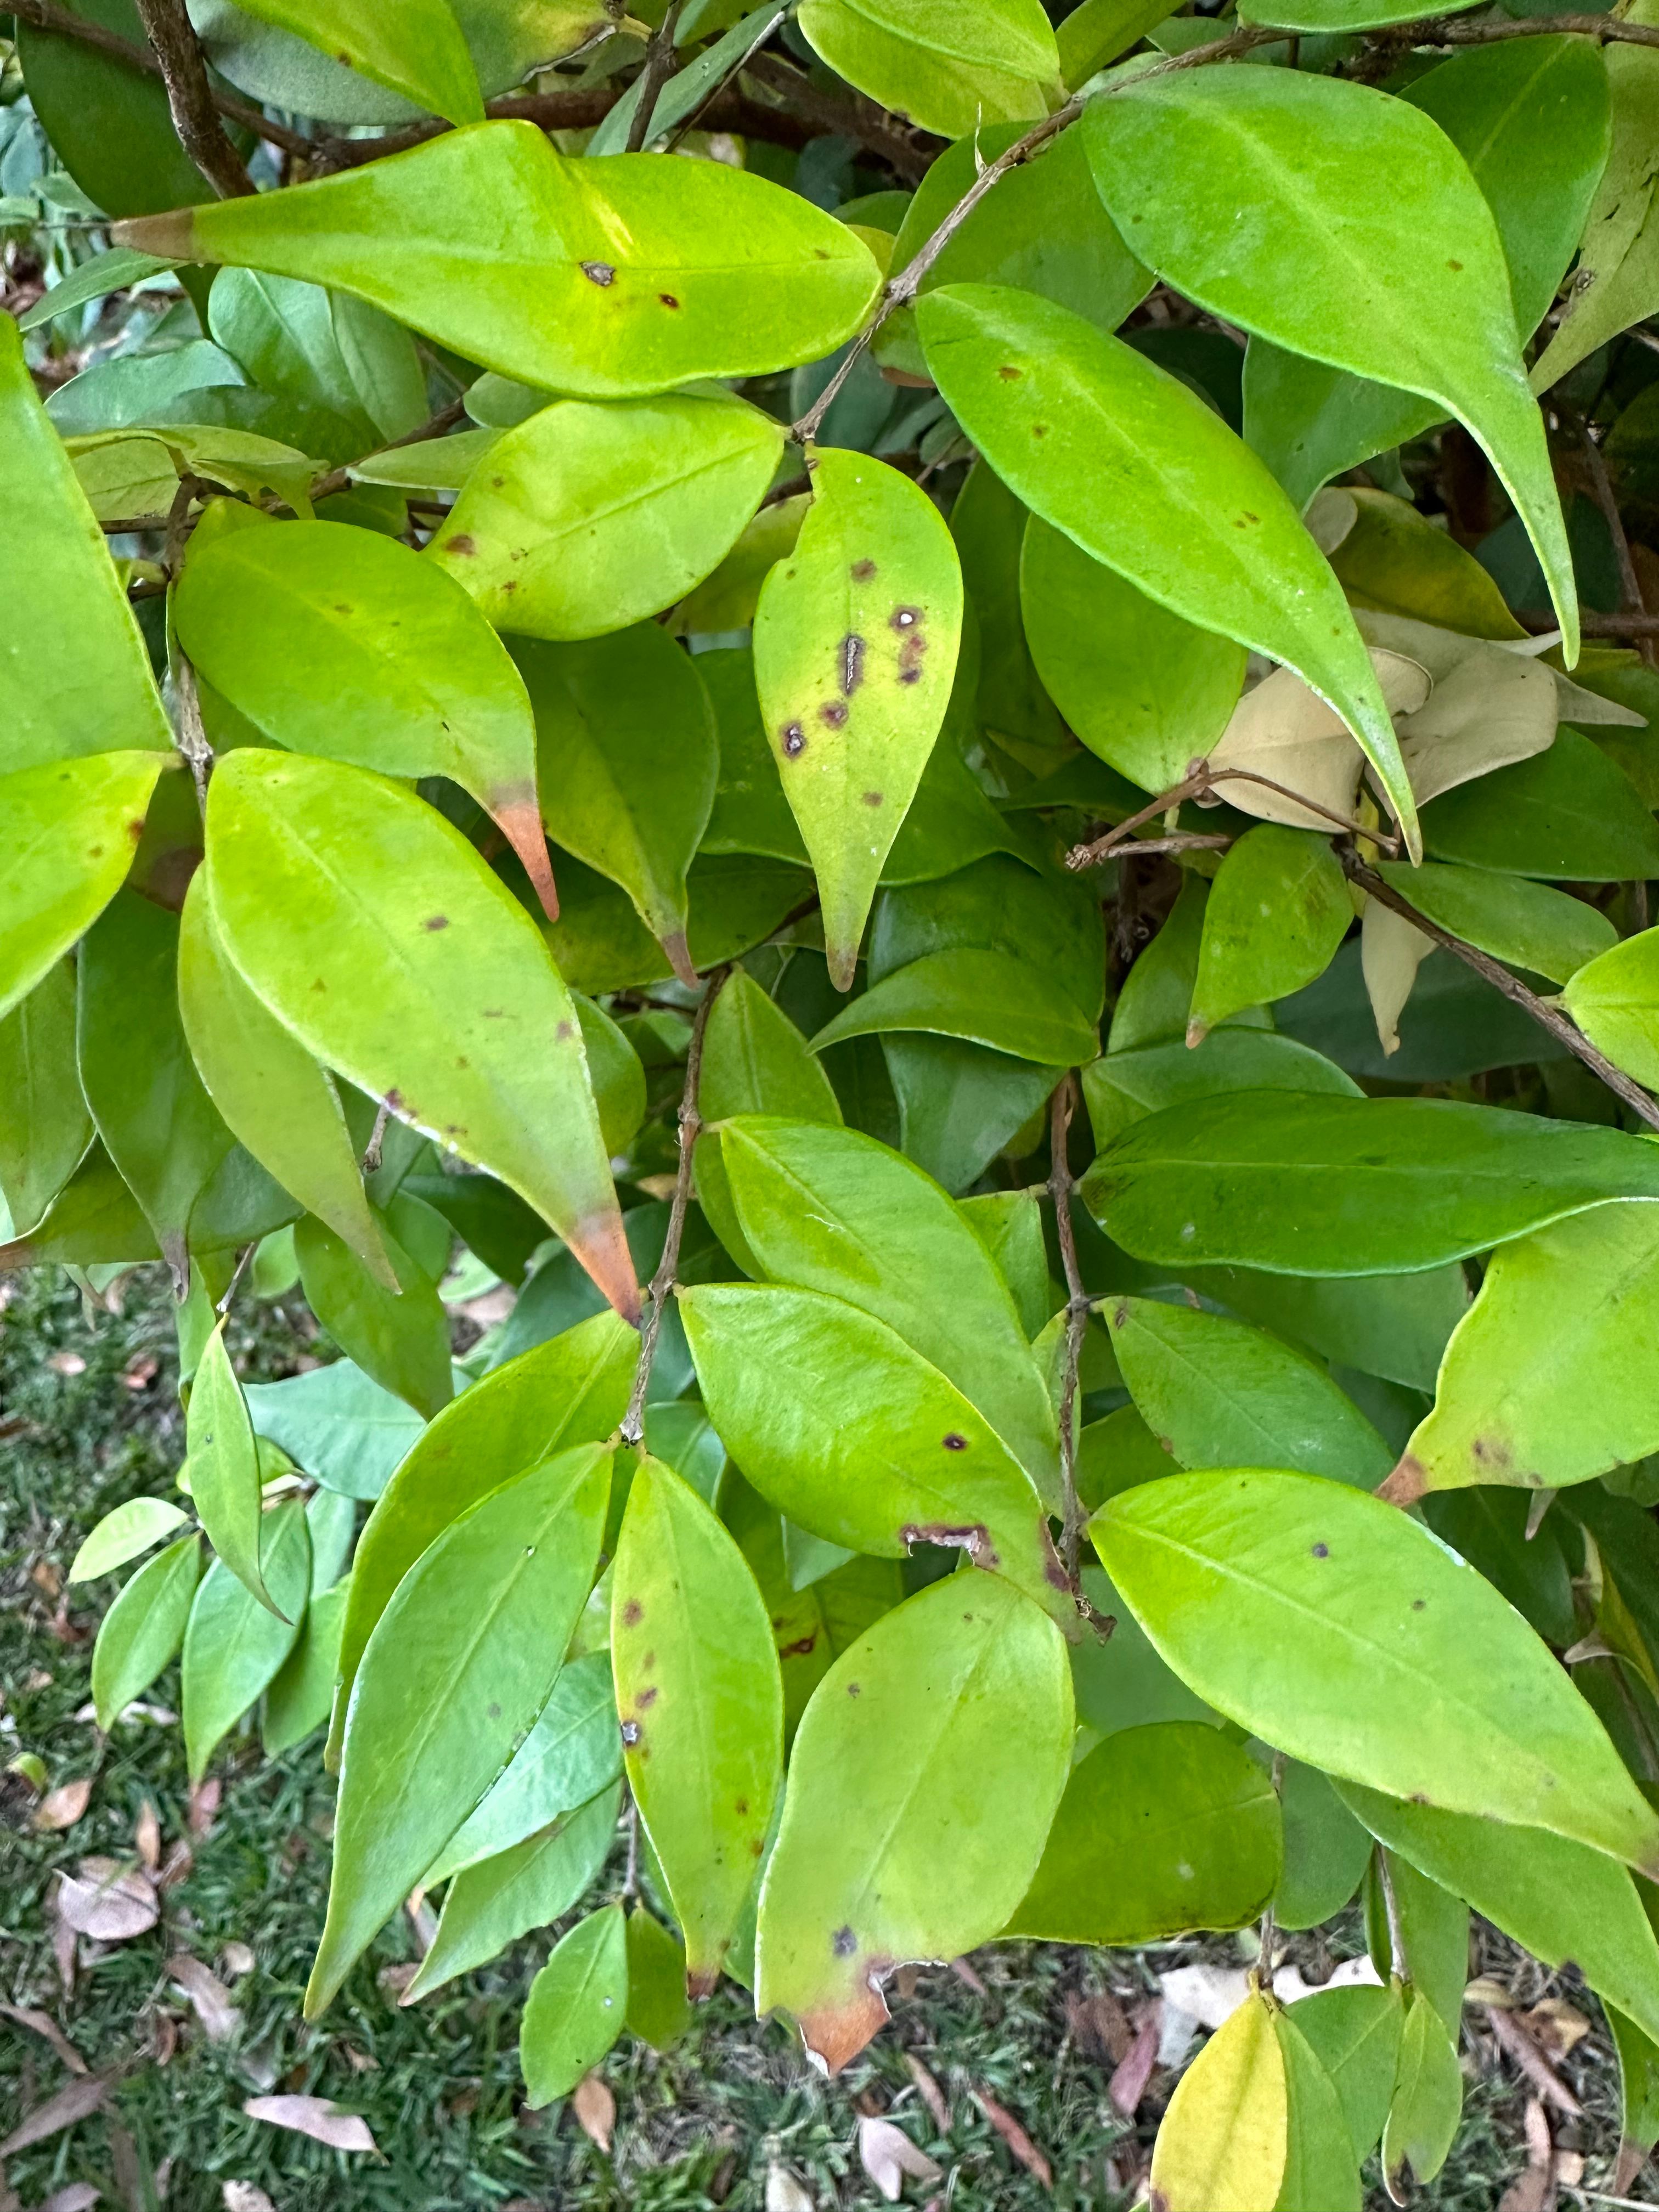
x,y
147,1836
66,1363
1331,516
930,2092
73,2101
208,1997
595,2108
1284,730
1555,2027
43,2023
1535,2191
1491,710
784,2193
159,1716
1515,2041
204,1808
237,1958
108,1902
1098,2026
243,2197
1134,2070
1391,951
63,1941
887,2155
63,1807
316,2117
1019,2143
1487,1989
79,2197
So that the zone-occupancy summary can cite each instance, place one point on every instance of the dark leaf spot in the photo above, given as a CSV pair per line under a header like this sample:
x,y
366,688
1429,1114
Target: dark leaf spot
x,y
798,1650
954,1443
1009,373
646,1698
904,618
1039,430
873,798
598,272
852,663
1454,264
436,921
862,571
630,1732
742,1804
495,1712
668,298
1418,1604
843,1942
461,543
564,1034
633,1613
1322,1550
794,740
833,713
854,1691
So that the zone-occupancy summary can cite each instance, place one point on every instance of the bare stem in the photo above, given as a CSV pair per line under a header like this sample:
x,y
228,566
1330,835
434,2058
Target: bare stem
x,y
436,427
659,68
1397,1956
1494,971
242,1259
1076,1315
662,1283
190,96
376,1138
1199,785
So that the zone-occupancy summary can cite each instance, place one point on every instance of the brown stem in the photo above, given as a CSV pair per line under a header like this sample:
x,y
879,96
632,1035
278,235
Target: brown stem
x,y
1199,785
1076,1315
1458,31
908,153
1538,620
242,1259
659,68
372,1149
190,96
633,1421
444,421
1183,843
1548,1017
1630,586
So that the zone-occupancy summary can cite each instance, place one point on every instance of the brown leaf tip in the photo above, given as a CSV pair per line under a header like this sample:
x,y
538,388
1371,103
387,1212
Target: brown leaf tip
x,y
1408,1482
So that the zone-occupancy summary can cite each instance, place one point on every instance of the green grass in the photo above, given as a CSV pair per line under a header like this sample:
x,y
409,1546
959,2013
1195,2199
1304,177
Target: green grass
x,y
439,2084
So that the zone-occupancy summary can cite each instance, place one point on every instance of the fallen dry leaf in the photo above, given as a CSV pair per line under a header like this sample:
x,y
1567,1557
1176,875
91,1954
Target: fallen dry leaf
x,y
1134,2070
161,1716
393,1981
107,1901
1515,2041
237,1958
316,2117
1098,2025
595,2108
66,1363
1632,2157
887,2154
1487,1989
79,2197
147,1836
63,1807
208,1997
1015,2136
784,2193
73,2102
243,2197
64,1942
204,1808
965,1974
142,1373
1535,2191
930,2092
43,2023
1555,2027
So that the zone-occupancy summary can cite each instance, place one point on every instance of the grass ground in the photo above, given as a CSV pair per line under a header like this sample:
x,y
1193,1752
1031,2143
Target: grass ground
x,y
88,1416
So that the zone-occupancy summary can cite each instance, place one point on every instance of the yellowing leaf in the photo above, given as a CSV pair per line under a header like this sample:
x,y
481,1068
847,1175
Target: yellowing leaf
x,y
1391,951
372,930
1614,999
856,637
601,278
76,677
588,517
925,1774
701,1704
1221,2146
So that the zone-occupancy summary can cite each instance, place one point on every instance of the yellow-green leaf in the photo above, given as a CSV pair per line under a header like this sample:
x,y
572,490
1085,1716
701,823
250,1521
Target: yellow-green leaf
x,y
143,1629
1223,2142
224,1467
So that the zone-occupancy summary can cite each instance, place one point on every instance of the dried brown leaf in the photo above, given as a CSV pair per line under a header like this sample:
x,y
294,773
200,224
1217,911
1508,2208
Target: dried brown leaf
x,y
203,1807
930,2092
63,1807
107,1901
1098,2025
243,2197
79,2197
1535,2191
73,2101
595,2108
1016,2138
316,2117
784,2193
237,1958
1128,2083
1514,2040
43,2023
1555,2027
208,1997
147,1836
887,2155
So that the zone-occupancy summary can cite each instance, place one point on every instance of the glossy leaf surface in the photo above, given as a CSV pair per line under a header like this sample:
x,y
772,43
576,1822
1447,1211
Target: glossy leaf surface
x,y
143,1629
577,2006
1277,911
224,1467
235,1646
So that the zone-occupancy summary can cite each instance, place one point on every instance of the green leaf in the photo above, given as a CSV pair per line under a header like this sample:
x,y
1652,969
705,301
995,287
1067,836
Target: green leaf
x,y
84,685
401,673
70,831
321,349
1278,909
459,1665
856,637
1140,473
1325,1852
235,1646
701,1706
1428,2097
589,517
1145,689
1124,1087
1355,2035
1098,32
1161,1830
1538,1387
93,1221
324,875
224,1469
1614,999
1327,267
602,282
628,760
947,69
1432,1954
925,1773
1009,1225
755,1060
1393,558
1306,1185
572,1754
1331,1625
299,1698
989,998
420,52
691,85
273,1095
341,1428
824,1208
113,271
1552,1896
988,525
158,1123
1321,2171
839,1424
1487,1526
143,1629
570,1391
1526,924
658,2012
1568,813
44,1126
123,1535
490,1904
1218,1393
398,1337
1224,2140
577,2006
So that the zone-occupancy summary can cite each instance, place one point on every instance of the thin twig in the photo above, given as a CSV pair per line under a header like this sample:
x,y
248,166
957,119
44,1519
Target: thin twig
x,y
1398,1958
1076,1315
631,1875
910,153
436,426
190,96
1185,842
660,66
1592,625
242,1259
1457,31
693,121
1630,601
1548,1017
903,288
376,1138
633,1421
191,736
1199,785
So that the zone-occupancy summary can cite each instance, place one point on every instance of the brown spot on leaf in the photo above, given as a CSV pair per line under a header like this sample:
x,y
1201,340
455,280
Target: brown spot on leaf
x,y
495,1712
853,1690
1009,373
436,921
1039,430
794,740
873,798
952,1441
801,1650
742,1804
833,713
668,298
1405,1485
633,1613
646,1698
970,1536
852,662
1418,1604
564,1032
904,618
843,1942
600,272
631,1733
1456,265
1322,1550
862,571
461,543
